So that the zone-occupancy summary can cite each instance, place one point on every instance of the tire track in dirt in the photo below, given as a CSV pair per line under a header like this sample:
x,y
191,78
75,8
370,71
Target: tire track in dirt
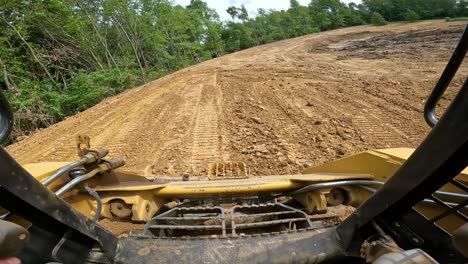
x,y
374,125
119,142
205,136
125,121
206,145
288,128
115,140
324,106
161,141
394,117
377,124
291,148
65,146
174,139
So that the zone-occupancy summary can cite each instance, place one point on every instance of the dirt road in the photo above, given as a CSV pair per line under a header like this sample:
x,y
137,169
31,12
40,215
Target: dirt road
x,y
276,107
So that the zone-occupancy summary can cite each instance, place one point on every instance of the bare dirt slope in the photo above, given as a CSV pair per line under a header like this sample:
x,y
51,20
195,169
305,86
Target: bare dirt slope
x,y
276,107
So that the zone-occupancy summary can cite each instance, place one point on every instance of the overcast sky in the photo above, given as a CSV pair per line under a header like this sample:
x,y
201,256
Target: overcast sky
x,y
251,5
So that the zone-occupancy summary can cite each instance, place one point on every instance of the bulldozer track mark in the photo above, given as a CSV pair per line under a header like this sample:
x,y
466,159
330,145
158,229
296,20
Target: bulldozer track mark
x,y
179,120
205,147
121,139
151,134
161,121
320,105
385,122
292,149
382,135
102,140
171,125
215,80
64,147
225,154
289,129
390,123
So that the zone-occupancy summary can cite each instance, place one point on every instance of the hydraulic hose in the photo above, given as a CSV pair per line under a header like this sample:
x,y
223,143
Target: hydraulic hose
x,y
321,185
427,201
98,200
103,167
363,183
86,159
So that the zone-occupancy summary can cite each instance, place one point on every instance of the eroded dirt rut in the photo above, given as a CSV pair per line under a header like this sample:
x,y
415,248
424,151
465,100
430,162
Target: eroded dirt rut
x,y
277,107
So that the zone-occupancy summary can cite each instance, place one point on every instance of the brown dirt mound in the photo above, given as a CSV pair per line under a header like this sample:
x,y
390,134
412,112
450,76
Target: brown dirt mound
x,y
276,107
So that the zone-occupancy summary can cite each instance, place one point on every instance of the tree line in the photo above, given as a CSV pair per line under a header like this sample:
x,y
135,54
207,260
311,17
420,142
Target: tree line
x,y
58,57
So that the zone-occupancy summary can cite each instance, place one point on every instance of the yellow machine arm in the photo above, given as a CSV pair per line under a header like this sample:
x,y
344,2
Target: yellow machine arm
x,y
139,198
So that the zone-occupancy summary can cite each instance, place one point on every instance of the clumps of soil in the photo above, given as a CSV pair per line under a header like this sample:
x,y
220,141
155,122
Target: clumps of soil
x,y
365,45
120,227
335,214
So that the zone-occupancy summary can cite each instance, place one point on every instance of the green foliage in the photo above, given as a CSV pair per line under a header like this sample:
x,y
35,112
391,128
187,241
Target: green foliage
x,y
462,8
87,89
377,19
298,20
240,12
412,16
450,19
396,10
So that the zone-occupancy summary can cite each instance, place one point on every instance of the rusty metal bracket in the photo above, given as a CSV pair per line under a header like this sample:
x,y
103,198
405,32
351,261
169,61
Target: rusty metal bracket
x,y
83,144
228,170
313,201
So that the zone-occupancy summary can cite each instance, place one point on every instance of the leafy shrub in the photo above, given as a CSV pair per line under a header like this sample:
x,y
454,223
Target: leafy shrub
x,y
88,89
451,19
377,19
412,16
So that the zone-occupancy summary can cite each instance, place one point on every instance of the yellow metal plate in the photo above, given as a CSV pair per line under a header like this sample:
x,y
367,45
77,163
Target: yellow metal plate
x,y
273,183
43,169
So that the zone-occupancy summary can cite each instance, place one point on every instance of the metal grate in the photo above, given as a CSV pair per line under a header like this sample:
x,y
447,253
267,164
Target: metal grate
x,y
240,220
457,208
187,221
247,219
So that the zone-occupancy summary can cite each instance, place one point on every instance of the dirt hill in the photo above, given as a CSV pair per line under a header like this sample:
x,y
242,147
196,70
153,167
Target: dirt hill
x,y
277,107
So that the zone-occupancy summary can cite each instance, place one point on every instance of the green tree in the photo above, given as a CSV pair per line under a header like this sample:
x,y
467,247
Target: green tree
x,y
412,16
233,12
331,14
243,14
462,8
377,19
395,10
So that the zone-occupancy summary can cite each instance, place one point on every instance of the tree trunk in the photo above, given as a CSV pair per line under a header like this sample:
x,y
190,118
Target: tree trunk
x,y
11,87
135,51
30,50
99,36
